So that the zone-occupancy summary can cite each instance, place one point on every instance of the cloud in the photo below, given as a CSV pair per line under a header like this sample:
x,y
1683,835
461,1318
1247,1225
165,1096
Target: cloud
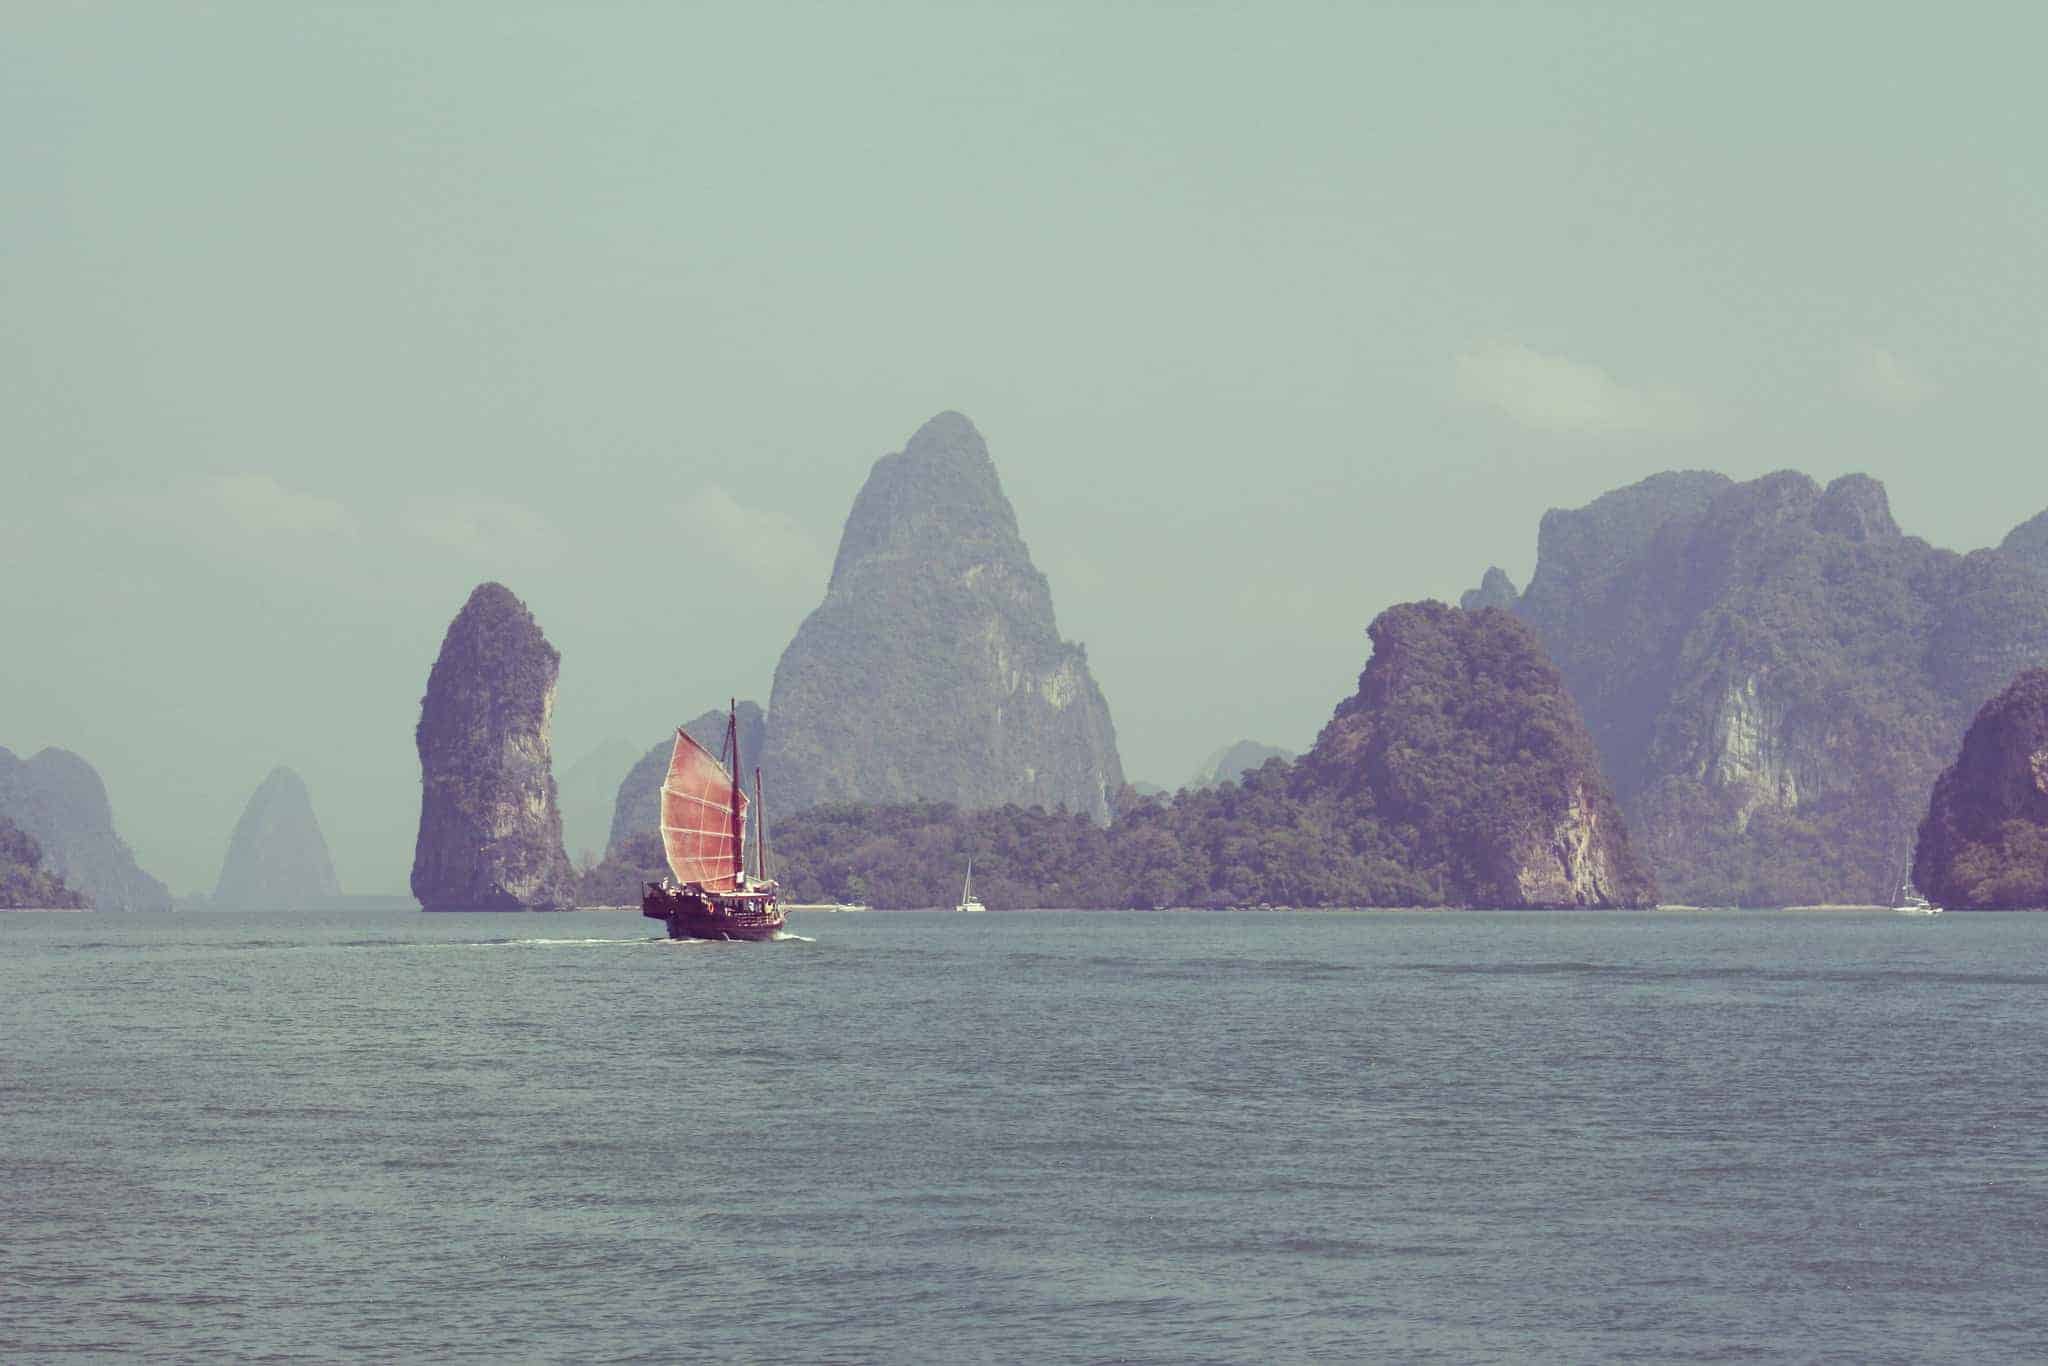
x,y
215,507
1878,377
482,528
1557,394
770,547
259,505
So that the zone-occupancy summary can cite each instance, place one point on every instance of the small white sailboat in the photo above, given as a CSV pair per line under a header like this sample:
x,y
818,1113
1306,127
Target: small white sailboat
x,y
1910,902
968,900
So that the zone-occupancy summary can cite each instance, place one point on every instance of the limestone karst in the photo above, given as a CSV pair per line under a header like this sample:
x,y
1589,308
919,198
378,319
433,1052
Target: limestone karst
x,y
934,667
490,837
1984,841
58,800
1463,736
1775,673
277,858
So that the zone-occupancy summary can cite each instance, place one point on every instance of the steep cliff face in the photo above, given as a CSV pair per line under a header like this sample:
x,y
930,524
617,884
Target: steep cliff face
x,y
1610,601
490,836
277,860
1463,737
1773,672
1984,841
636,809
934,668
58,800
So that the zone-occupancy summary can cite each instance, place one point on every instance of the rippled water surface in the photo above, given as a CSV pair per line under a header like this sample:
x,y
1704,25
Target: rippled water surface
x,y
1046,1137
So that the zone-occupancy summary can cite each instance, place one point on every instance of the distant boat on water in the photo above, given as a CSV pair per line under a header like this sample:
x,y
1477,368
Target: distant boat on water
x,y
708,894
1911,902
968,900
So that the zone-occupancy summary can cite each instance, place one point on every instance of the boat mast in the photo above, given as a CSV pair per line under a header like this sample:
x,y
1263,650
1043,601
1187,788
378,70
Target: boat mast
x,y
739,829
760,825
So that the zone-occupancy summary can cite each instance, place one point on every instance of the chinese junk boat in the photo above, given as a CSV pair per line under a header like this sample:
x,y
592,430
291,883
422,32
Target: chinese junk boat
x,y
704,835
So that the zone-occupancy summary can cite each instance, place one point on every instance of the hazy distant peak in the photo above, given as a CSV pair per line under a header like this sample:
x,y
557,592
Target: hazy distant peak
x,y
1233,761
1495,589
64,765
276,857
949,433
282,779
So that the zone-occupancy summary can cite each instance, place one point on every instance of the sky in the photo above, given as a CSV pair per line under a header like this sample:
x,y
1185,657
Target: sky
x,y
313,317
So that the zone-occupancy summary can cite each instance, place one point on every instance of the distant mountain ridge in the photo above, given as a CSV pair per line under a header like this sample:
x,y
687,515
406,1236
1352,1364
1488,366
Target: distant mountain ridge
x,y
1233,761
1774,672
57,799
934,668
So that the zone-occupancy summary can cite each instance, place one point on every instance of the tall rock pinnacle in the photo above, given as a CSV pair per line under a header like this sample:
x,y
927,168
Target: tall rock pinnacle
x,y
490,834
276,859
934,668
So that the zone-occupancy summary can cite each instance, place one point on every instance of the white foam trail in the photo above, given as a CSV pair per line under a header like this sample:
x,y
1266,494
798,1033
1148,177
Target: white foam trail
x,y
525,943
781,935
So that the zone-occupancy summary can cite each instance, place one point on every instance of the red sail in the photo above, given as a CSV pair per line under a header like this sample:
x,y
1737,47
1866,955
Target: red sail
x,y
697,818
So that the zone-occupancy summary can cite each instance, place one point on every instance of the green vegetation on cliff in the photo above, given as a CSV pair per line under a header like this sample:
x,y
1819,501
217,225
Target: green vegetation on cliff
x,y
1774,673
1459,775
24,883
1984,842
934,670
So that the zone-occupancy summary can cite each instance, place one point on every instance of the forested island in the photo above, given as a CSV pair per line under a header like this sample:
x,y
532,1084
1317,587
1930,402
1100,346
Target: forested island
x,y
1459,774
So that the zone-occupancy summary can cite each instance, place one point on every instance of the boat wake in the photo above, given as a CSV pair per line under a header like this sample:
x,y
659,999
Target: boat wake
x,y
780,935
553,943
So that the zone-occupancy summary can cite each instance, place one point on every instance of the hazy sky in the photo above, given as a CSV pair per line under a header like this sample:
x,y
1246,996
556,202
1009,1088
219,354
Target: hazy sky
x,y
313,317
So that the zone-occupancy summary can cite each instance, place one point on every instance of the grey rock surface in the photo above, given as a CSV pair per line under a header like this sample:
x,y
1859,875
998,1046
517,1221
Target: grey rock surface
x,y
1774,673
934,668
490,835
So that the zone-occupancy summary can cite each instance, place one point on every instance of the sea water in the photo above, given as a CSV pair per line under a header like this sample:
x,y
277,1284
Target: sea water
x,y
1043,1137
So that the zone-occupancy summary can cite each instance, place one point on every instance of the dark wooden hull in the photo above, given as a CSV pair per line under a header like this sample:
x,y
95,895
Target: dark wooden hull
x,y
690,914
